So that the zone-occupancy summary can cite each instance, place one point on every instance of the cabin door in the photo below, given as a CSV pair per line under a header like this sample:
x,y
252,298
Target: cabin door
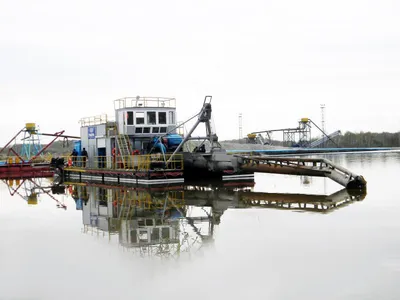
x,y
121,122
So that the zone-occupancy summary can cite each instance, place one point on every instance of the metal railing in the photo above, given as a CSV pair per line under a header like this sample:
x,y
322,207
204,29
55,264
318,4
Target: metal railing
x,y
95,120
132,162
23,159
75,161
144,200
144,102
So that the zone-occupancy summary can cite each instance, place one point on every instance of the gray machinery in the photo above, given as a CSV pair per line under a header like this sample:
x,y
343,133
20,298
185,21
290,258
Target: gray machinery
x,y
215,162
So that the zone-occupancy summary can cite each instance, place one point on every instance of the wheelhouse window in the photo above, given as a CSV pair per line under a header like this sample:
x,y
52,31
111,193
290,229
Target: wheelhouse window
x,y
165,233
155,129
129,118
146,130
138,130
163,129
140,118
162,117
171,117
143,236
151,117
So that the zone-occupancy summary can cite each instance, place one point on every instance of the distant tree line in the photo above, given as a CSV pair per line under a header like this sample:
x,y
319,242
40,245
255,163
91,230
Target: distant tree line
x,y
368,139
57,148
352,140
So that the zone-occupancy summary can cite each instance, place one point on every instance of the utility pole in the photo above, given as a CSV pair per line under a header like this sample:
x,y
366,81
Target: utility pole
x,y
323,121
323,129
240,127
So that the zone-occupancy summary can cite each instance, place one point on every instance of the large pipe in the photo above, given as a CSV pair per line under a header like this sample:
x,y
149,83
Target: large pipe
x,y
277,169
346,193
285,158
348,182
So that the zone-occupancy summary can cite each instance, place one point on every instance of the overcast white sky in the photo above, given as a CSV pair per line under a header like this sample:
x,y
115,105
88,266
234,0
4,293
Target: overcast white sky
x,y
272,61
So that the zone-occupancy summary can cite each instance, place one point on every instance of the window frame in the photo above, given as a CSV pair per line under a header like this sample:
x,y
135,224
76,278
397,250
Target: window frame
x,y
165,117
136,119
148,118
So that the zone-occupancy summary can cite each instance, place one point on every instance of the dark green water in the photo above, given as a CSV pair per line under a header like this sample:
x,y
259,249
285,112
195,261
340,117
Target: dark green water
x,y
202,243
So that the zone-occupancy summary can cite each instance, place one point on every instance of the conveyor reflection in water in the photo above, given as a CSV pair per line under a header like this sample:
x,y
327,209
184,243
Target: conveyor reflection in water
x,y
175,219
166,221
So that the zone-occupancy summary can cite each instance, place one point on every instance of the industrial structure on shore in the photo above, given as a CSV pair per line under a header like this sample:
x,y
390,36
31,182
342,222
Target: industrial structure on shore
x,y
299,136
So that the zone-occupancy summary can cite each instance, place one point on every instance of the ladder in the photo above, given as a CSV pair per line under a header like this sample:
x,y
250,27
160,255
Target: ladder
x,y
123,209
124,148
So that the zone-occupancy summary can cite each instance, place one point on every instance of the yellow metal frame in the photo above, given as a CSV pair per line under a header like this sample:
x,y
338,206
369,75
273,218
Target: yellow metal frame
x,y
144,200
131,162
12,159
95,120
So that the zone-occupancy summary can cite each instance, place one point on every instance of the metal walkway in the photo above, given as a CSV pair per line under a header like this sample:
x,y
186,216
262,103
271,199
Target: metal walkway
x,y
302,166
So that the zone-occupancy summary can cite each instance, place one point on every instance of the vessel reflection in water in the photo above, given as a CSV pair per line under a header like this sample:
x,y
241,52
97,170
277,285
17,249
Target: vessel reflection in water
x,y
170,220
31,189
151,222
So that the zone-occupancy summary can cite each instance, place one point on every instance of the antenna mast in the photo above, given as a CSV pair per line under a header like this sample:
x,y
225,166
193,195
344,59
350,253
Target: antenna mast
x,y
240,127
323,117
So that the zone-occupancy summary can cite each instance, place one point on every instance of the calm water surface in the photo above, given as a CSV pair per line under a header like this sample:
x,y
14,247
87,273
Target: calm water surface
x,y
201,243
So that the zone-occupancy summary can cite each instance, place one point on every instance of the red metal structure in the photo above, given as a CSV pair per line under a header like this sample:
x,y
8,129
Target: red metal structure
x,y
16,166
25,170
